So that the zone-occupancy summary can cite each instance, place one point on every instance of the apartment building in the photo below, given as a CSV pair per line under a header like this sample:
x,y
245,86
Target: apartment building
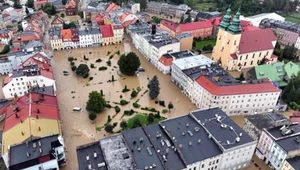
x,y
236,50
186,41
38,154
167,9
68,39
14,59
55,38
71,8
35,71
180,143
107,34
286,32
201,29
208,85
23,38
166,60
254,124
57,22
118,30
6,36
279,147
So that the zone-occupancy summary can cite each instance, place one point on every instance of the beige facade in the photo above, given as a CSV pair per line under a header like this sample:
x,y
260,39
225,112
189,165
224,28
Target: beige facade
x,y
186,43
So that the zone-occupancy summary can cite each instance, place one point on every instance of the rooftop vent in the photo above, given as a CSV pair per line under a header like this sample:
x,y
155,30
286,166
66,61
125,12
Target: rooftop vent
x,y
297,139
40,150
101,164
40,144
153,165
87,157
149,151
141,139
241,134
187,125
180,145
190,133
34,145
190,143
95,154
196,129
228,142
139,149
199,140
238,139
146,167
90,166
28,154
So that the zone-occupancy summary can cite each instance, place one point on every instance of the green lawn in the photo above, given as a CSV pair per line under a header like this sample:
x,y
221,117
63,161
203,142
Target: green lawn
x,y
205,6
202,43
293,19
143,120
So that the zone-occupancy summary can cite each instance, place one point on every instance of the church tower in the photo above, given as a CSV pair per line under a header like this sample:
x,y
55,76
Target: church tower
x,y
228,40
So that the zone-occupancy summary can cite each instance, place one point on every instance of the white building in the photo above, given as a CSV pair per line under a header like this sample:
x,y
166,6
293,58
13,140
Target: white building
x,y
6,36
209,85
280,145
134,7
96,36
118,33
35,71
201,140
14,59
85,38
256,19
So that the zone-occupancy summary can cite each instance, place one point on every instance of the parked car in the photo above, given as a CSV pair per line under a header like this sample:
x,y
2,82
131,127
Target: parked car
x,y
65,72
77,109
141,69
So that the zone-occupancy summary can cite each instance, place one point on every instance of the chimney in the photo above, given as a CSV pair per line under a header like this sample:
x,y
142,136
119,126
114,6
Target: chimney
x,y
153,29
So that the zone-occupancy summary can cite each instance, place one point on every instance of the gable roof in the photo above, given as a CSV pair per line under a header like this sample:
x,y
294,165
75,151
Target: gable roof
x,y
57,20
26,36
71,4
274,71
166,61
258,40
195,25
106,31
169,24
112,6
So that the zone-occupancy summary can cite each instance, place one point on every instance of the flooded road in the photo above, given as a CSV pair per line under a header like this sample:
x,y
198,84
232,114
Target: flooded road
x,y
76,126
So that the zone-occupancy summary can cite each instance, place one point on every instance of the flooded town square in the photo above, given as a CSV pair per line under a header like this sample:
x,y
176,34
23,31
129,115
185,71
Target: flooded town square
x,y
72,91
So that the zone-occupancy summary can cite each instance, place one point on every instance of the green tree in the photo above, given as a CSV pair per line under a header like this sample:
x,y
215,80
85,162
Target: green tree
x,y
64,2
96,102
82,70
30,4
170,106
188,19
92,116
181,19
62,15
289,52
129,63
123,124
154,88
80,13
109,128
136,122
17,4
5,49
150,118
143,4
190,3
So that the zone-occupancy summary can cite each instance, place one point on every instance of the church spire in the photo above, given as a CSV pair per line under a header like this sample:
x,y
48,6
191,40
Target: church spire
x,y
226,20
235,26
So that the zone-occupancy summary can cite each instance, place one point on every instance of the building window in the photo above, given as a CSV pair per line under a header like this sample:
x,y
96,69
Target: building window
x,y
246,56
251,63
253,55
245,63
241,57
267,52
259,54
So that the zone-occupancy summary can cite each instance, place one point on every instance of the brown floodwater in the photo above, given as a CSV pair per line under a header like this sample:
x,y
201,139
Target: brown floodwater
x,y
76,126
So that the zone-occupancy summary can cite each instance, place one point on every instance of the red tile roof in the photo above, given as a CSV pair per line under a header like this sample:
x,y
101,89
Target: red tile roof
x,y
166,61
66,34
106,31
233,56
112,6
123,16
250,28
258,40
43,63
27,37
217,21
274,56
295,119
195,25
169,24
28,106
4,15
265,87
71,4
99,18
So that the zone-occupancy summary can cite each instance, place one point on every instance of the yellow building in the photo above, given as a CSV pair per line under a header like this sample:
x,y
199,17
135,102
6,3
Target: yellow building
x,y
30,117
291,164
237,49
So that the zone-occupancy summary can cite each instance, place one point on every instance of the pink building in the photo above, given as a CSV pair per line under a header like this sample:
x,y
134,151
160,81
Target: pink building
x,y
263,145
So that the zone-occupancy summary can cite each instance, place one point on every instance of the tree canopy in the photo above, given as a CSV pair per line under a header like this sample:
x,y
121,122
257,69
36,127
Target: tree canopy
x,y
291,93
129,63
83,70
48,9
154,87
30,4
69,25
96,102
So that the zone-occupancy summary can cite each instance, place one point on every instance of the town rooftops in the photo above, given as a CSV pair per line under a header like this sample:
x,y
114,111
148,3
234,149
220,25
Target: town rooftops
x,y
222,128
284,131
160,140
33,152
294,162
167,59
106,31
267,120
4,31
71,4
187,26
141,148
49,90
93,153
139,26
192,141
258,40
26,36
191,62
116,153
33,44
290,143
161,39
55,31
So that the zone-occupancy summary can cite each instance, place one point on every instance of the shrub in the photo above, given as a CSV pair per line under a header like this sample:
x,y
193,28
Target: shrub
x,y
121,96
117,109
164,110
115,124
92,66
133,94
110,57
103,68
138,89
70,59
125,89
108,119
98,60
156,102
108,63
108,106
108,52
128,112
123,102
73,68
92,116
91,78
136,105
86,75
157,115
162,103
90,52
85,58
5,49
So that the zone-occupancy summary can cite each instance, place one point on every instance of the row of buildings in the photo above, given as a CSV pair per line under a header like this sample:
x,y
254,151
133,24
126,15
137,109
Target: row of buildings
x,y
277,139
203,139
31,136
167,9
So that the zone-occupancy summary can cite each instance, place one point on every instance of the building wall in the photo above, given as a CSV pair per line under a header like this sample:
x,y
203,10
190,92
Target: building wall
x,y
238,157
203,33
108,40
276,156
172,33
227,44
5,67
85,40
264,145
297,45
19,85
56,44
157,53
286,166
52,164
251,129
186,43
119,35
